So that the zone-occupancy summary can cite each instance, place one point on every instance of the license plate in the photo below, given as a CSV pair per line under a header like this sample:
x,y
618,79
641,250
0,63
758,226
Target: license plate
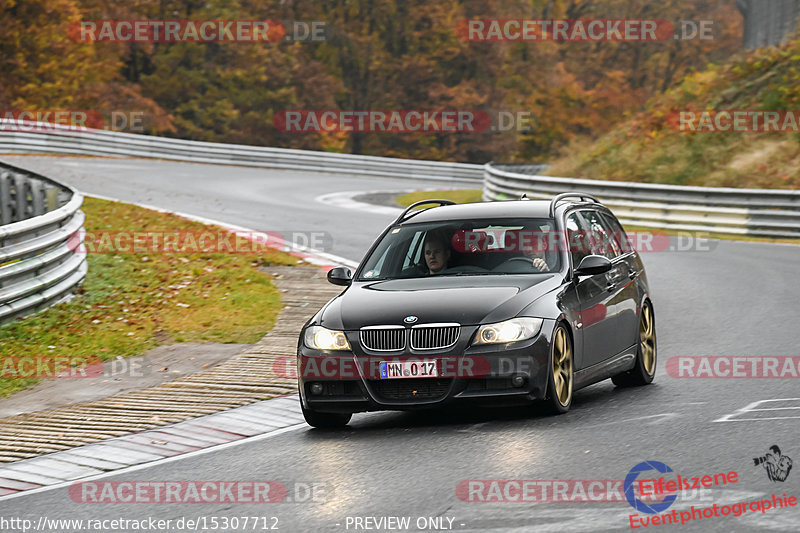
x,y
408,369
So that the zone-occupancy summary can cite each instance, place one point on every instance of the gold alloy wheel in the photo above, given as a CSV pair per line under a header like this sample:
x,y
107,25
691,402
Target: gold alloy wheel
x,y
562,367
647,340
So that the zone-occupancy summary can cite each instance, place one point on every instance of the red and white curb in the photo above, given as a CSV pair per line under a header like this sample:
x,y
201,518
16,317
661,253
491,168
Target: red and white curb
x,y
204,434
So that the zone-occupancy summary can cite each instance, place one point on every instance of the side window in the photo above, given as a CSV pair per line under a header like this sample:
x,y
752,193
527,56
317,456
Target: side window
x,y
617,232
600,238
577,249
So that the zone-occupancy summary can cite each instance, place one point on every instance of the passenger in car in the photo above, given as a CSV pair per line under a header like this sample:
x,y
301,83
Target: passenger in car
x,y
436,250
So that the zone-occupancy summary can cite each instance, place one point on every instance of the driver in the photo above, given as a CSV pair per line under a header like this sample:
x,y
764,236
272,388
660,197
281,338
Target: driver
x,y
436,250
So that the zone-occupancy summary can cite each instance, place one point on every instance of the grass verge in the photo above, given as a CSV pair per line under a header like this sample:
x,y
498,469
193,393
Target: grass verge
x,y
131,302
463,196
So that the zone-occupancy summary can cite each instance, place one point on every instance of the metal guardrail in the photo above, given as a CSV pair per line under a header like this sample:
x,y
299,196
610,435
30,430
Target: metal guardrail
x,y
757,212
28,137
40,225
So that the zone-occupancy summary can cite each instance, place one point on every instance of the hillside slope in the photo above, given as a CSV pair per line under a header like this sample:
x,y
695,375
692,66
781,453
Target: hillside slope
x,y
651,147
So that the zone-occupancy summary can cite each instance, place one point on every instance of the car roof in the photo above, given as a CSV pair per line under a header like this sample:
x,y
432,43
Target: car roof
x,y
505,209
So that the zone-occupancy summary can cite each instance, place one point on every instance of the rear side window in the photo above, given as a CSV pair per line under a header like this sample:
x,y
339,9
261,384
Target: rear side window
x,y
600,238
575,234
617,232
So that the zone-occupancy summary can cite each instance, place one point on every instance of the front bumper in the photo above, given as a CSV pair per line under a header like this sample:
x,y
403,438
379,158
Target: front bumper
x,y
502,374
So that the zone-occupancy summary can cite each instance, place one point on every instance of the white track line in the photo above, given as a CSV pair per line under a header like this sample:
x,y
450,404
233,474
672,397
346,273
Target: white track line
x,y
345,200
157,462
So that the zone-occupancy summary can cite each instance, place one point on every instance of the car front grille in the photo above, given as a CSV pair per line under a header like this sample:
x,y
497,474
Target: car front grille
x,y
411,389
384,339
434,337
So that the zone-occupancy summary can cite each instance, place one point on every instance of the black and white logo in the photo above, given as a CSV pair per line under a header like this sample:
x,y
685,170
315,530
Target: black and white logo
x,y
777,466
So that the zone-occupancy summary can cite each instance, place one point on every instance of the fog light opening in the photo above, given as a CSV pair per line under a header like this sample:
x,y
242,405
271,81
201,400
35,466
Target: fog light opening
x,y
316,388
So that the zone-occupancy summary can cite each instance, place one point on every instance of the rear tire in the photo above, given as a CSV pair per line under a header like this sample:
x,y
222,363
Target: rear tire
x,y
325,420
644,369
560,379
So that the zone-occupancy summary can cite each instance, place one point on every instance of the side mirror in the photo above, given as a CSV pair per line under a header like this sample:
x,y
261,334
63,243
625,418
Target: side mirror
x,y
593,264
340,276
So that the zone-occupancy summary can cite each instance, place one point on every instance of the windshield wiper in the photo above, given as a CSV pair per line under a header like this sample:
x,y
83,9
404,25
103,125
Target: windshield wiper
x,y
466,273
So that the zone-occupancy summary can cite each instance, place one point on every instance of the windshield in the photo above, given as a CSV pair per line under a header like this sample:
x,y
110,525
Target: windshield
x,y
465,247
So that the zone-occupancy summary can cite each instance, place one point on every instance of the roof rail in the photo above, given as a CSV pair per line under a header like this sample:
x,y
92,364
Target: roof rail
x,y
558,198
407,210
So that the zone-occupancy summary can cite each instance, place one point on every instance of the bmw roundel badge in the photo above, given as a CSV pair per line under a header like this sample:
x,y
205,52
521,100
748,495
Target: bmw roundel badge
x,y
410,319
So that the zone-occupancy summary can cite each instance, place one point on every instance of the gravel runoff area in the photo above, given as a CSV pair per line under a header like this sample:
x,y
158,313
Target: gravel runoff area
x,y
244,378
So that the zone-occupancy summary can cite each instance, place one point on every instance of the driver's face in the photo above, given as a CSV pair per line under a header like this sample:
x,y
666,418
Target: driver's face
x,y
436,256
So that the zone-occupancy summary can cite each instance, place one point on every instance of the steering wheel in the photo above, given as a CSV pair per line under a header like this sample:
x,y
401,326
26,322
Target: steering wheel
x,y
530,262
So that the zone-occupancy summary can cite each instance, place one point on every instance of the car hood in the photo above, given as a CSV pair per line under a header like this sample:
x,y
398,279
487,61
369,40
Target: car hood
x,y
467,300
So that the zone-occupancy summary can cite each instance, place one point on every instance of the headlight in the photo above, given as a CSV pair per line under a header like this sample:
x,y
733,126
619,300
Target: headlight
x,y
320,338
516,329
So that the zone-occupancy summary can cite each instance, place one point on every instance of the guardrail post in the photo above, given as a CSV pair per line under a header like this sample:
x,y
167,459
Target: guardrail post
x,y
51,198
21,197
37,198
5,198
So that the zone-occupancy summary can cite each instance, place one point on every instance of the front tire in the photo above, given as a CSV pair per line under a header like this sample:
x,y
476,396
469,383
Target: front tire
x,y
325,420
560,379
644,370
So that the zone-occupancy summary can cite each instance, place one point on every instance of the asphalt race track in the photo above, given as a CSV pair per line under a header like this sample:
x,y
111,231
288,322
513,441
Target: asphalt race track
x,y
723,299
